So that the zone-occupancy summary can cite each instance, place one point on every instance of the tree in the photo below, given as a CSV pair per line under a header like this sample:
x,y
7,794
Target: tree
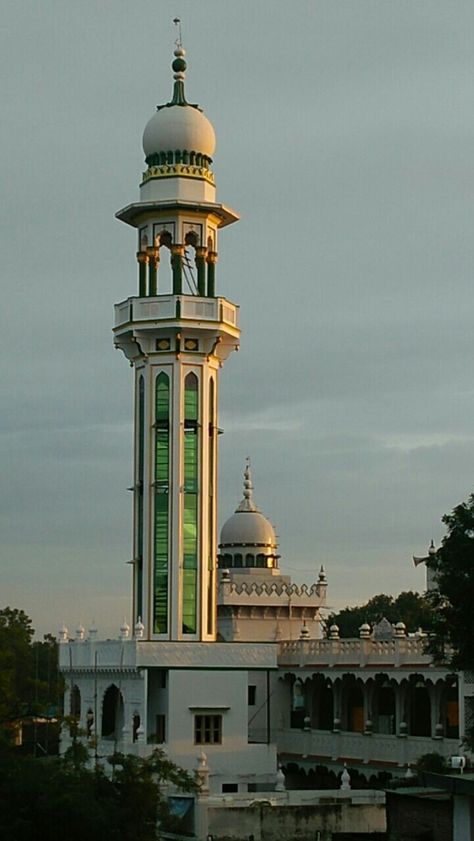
x,y
30,683
452,600
411,608
57,798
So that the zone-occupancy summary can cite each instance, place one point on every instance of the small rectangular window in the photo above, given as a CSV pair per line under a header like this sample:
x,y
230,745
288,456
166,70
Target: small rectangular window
x,y
207,729
230,788
252,695
160,729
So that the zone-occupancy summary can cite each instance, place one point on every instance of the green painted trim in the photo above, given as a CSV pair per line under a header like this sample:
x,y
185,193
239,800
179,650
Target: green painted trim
x,y
152,290
211,280
201,275
177,270
181,170
141,279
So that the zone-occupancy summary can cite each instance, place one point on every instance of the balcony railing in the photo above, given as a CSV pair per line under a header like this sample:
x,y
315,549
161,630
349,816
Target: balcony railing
x,y
166,307
378,748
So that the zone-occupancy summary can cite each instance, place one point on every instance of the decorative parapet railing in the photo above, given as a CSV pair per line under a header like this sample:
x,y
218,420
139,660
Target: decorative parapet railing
x,y
310,747
274,592
395,652
133,654
172,307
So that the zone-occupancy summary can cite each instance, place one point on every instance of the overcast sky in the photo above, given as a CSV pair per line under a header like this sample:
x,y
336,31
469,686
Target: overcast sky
x,y
345,139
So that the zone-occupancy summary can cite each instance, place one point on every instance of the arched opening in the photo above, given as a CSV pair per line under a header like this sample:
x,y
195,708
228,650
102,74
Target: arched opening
x,y
451,708
136,726
297,705
355,708
385,719
237,560
420,709
112,713
261,560
163,241
326,706
249,560
190,265
75,703
89,722
323,708
74,710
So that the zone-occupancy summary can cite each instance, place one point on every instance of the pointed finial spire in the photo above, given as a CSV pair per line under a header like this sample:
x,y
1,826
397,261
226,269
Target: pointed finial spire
x,y
248,487
177,23
179,69
247,503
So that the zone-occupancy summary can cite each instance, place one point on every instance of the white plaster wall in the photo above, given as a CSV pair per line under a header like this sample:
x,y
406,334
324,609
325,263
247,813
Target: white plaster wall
x,y
167,189
462,818
193,692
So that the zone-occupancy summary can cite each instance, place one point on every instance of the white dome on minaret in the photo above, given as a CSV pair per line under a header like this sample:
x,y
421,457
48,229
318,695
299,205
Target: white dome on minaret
x,y
247,538
179,126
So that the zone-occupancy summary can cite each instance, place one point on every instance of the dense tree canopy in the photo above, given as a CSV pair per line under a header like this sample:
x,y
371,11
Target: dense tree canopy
x,y
53,799
411,608
30,683
44,798
453,599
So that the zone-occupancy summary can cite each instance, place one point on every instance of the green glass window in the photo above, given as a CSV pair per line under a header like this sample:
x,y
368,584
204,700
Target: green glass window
x,y
139,496
210,522
162,471
190,505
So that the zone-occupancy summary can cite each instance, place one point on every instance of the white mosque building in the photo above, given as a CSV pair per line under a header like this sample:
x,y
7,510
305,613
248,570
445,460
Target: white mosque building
x,y
224,664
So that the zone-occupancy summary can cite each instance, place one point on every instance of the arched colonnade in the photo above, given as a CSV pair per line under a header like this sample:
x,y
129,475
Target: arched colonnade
x,y
412,705
117,720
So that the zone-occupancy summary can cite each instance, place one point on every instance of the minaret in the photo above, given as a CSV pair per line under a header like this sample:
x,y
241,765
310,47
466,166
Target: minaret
x,y
176,340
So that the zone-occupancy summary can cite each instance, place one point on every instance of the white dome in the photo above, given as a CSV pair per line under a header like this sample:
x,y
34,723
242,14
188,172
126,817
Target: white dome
x,y
179,128
248,528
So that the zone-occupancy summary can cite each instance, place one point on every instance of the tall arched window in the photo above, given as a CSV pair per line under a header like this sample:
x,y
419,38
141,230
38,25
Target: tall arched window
x,y
139,495
190,508
162,471
210,514
112,713
75,703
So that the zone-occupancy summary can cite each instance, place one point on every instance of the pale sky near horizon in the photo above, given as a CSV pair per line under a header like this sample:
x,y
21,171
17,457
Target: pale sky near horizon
x,y
345,136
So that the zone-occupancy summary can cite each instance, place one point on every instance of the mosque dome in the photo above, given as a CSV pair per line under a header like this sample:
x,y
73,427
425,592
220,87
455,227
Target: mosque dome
x,y
253,529
247,538
178,126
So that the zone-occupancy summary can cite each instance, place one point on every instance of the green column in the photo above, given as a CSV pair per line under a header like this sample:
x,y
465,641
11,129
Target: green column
x,y
177,268
211,274
142,261
201,270
153,260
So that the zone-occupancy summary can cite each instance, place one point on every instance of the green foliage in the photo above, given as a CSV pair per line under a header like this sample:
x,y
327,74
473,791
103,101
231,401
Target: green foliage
x,y
411,608
433,762
30,683
453,599
52,799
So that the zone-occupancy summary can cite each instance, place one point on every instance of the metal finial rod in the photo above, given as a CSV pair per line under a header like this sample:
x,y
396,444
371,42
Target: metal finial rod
x,y
177,22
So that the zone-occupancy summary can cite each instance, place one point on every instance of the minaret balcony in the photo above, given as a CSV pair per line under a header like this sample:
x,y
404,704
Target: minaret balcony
x,y
177,319
172,308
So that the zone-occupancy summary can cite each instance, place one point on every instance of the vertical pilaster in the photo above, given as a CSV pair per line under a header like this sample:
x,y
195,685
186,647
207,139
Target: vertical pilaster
x,y
177,253
211,273
153,262
201,270
142,266
337,705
